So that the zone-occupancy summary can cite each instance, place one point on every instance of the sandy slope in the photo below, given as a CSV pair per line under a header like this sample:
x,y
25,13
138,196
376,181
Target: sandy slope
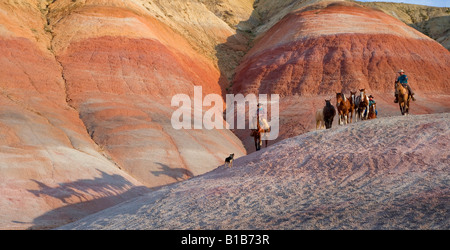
x,y
388,173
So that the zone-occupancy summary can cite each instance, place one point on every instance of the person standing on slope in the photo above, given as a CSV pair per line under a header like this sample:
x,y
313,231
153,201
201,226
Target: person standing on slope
x,y
403,79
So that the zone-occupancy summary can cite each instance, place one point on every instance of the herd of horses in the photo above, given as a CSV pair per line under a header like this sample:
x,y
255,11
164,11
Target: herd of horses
x,y
346,108
356,105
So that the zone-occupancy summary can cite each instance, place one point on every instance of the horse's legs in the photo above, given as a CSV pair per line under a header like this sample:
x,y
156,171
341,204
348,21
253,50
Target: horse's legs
x,y
259,143
407,106
368,111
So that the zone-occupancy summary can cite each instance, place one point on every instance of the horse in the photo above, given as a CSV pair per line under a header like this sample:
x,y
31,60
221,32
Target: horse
x,y
328,114
259,133
372,111
343,107
352,105
403,98
363,105
357,100
320,122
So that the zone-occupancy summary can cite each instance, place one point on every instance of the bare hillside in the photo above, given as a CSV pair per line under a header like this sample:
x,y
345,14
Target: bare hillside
x,y
389,173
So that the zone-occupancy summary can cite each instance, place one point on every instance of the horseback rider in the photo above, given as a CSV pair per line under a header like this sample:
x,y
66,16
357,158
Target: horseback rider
x,y
261,118
403,79
259,109
261,125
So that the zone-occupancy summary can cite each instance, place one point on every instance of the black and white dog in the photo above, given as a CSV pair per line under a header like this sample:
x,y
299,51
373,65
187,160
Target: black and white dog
x,y
229,160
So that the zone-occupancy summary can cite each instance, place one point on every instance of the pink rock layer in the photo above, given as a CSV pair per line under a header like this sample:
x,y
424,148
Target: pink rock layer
x,y
341,47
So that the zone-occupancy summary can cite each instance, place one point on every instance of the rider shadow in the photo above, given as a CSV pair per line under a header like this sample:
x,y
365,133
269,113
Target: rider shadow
x,y
178,174
106,185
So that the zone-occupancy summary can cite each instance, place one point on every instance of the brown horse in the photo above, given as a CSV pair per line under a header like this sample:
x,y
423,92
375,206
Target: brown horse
x,y
352,105
343,107
372,111
320,122
363,106
403,98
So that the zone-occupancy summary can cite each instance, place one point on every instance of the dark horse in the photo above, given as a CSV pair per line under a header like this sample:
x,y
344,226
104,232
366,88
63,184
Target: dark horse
x,y
328,113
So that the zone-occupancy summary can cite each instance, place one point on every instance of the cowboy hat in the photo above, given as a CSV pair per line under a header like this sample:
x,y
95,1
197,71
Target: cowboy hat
x,y
401,71
370,96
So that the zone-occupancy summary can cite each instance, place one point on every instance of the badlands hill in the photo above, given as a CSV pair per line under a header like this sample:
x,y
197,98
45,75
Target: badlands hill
x,y
389,173
315,51
334,46
432,21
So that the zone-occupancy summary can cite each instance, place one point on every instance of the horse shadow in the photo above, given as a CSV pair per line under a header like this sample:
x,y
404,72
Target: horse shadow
x,y
178,174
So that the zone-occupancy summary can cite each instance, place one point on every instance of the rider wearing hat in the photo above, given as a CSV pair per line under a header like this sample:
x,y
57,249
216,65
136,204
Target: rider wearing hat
x,y
403,79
